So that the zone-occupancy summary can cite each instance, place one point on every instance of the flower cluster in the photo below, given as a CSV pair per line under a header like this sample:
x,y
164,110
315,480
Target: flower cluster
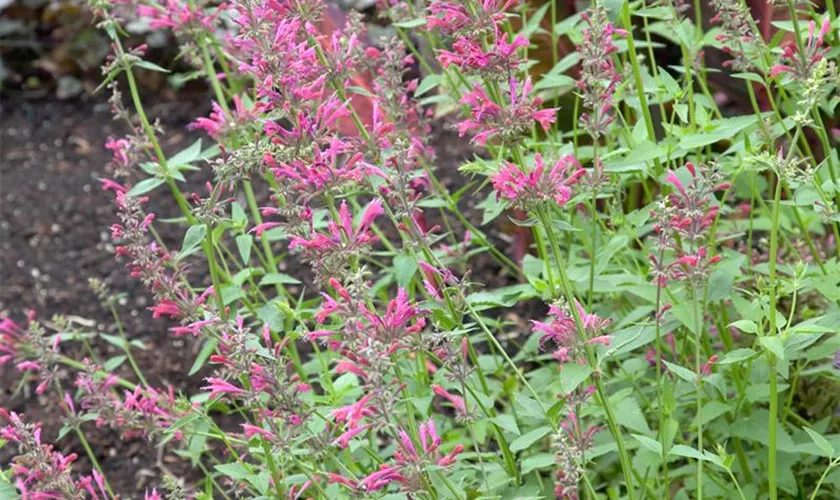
x,y
141,412
738,38
801,65
508,123
528,189
331,254
42,473
30,349
563,332
598,76
681,224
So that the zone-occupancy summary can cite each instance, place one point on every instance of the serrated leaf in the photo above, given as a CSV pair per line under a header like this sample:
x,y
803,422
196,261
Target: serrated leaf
x,y
539,461
572,375
745,325
405,266
774,344
243,245
151,66
192,240
821,442
413,23
114,341
114,363
525,441
683,373
279,279
649,443
736,356
145,186
207,349
185,156
234,470
428,83
506,422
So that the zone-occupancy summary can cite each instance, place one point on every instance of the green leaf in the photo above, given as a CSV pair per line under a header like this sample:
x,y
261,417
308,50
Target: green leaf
x,y
682,450
572,375
649,443
737,356
631,415
534,21
525,441
405,266
428,83
507,422
745,325
710,411
821,442
278,279
151,66
243,245
234,470
774,344
114,363
145,186
7,490
115,341
492,208
529,406
413,23
683,373
186,156
192,240
538,461
207,349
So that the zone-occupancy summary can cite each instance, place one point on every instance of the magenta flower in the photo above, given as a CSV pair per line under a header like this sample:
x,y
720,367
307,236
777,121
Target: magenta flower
x,y
180,16
508,124
252,430
814,52
221,123
469,55
598,77
218,386
455,18
386,475
343,441
562,330
456,401
527,189
343,229
428,451
352,414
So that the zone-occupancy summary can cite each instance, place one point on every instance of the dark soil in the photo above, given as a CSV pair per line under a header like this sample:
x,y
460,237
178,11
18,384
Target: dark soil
x,y
54,238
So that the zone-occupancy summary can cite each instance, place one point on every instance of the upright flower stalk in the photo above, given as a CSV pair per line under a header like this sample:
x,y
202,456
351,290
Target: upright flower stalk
x,y
333,285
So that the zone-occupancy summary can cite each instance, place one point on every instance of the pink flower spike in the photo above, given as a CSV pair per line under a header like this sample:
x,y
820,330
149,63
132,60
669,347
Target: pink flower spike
x,y
344,440
673,179
252,430
456,401
261,228
219,386
450,458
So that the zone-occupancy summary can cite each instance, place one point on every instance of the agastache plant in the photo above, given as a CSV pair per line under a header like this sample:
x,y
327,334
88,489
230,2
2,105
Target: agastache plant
x,y
354,321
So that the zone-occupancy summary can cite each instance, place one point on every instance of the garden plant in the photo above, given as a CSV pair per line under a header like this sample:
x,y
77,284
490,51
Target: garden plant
x,y
665,283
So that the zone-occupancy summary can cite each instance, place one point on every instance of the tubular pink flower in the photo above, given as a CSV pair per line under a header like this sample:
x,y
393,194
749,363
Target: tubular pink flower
x,y
219,386
525,189
253,430
456,401
344,440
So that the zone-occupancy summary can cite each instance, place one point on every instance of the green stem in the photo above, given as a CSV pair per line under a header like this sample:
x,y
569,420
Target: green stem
x,y
612,423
